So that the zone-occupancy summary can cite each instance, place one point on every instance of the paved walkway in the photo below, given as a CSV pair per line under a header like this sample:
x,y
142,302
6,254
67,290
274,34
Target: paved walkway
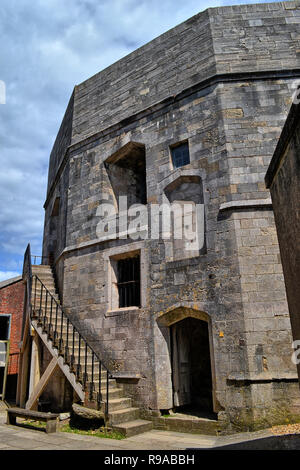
x,y
19,438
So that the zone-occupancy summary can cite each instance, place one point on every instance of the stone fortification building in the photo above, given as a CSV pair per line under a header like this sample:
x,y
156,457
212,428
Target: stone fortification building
x,y
193,116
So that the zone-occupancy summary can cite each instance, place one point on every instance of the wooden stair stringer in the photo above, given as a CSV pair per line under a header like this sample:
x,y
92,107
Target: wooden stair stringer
x,y
60,360
122,416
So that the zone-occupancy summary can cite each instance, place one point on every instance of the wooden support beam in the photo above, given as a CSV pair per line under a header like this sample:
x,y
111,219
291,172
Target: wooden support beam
x,y
35,374
39,388
24,374
64,367
23,366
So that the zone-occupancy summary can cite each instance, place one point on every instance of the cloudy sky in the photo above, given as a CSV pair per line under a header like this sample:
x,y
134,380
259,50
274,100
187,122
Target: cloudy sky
x,y
48,46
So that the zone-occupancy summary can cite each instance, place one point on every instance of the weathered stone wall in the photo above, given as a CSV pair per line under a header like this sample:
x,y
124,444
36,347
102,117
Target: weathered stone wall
x,y
54,240
253,115
283,179
255,37
62,141
232,124
220,40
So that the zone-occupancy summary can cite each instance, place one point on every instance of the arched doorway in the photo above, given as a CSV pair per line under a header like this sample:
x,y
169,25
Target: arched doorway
x,y
191,365
192,382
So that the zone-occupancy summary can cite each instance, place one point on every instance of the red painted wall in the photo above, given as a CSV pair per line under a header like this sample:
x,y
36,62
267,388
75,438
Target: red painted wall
x,y
11,302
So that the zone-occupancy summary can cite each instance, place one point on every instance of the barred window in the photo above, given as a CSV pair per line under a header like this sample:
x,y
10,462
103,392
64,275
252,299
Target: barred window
x,y
128,282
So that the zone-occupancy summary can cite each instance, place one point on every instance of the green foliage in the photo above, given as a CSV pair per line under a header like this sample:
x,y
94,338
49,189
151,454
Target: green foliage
x,y
79,428
100,432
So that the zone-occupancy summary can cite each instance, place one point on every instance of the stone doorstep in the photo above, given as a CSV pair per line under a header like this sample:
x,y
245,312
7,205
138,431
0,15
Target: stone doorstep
x,y
183,425
132,428
191,425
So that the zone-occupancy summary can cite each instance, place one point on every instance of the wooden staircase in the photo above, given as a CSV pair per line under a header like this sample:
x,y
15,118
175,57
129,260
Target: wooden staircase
x,y
91,380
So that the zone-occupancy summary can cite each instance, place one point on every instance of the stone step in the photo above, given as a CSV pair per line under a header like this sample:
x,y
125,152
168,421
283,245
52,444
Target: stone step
x,y
113,393
49,284
193,425
37,295
41,266
42,270
116,404
37,304
112,384
74,350
57,324
132,428
123,416
96,376
44,277
36,301
45,321
36,289
43,274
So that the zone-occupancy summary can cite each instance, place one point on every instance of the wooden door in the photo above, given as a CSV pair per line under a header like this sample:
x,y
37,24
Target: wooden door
x,y
181,366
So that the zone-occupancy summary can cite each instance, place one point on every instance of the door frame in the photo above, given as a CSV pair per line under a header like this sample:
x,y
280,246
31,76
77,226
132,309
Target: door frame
x,y
7,342
174,315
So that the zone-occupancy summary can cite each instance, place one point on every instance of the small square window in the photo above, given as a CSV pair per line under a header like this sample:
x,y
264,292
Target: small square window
x,y
180,155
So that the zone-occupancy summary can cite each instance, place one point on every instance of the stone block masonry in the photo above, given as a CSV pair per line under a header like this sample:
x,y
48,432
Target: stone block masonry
x,y
283,178
222,82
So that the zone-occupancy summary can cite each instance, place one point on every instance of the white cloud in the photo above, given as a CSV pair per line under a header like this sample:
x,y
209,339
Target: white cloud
x,y
46,48
4,275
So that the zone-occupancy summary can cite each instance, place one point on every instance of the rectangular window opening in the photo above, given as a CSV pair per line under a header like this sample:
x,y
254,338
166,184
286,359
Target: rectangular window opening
x,y
4,327
180,154
127,176
128,282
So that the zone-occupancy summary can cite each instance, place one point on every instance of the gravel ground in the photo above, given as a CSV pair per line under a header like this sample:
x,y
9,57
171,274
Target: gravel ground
x,y
286,429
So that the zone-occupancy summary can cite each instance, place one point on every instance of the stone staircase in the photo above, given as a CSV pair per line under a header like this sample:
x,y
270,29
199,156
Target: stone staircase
x,y
84,370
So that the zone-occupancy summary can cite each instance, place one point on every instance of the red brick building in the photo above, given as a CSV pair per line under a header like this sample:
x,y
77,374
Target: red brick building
x,y
11,314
